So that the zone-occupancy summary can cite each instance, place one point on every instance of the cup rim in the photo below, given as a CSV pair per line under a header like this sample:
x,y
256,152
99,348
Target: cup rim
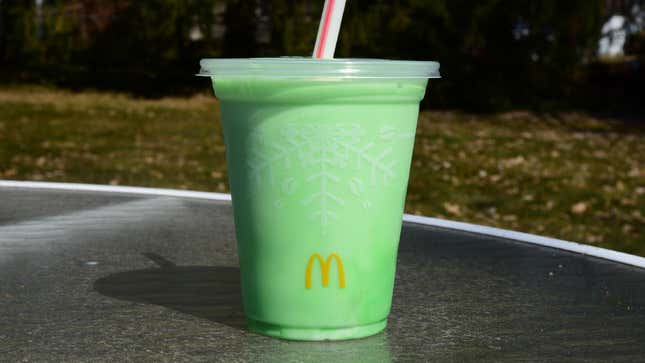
x,y
305,67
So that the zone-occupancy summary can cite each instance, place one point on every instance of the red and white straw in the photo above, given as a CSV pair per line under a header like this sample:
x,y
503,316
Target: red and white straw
x,y
329,28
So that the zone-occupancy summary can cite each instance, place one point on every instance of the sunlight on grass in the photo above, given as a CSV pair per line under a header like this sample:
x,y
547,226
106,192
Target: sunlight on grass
x,y
570,176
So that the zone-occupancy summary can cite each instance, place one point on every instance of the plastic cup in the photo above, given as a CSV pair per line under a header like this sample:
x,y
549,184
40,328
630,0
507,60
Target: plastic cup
x,y
318,155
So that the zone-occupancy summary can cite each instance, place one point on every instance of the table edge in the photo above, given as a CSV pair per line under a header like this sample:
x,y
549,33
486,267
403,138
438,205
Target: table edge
x,y
575,247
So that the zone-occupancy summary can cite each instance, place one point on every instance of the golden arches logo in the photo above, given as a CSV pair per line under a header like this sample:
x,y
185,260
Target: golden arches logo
x,y
324,269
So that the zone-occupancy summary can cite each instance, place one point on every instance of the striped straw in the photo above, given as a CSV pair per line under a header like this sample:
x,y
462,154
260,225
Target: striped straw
x,y
328,29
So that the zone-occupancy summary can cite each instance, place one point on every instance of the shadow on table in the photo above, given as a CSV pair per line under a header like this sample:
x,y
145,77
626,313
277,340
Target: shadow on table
x,y
208,292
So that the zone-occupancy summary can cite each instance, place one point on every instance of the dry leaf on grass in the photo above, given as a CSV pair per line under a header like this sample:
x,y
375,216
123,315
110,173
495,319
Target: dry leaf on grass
x,y
453,209
579,208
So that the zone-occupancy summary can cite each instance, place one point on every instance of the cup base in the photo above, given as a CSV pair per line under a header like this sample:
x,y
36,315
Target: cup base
x,y
316,334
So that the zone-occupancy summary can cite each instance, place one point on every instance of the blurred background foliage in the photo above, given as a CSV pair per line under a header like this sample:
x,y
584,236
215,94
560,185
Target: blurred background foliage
x,y
495,54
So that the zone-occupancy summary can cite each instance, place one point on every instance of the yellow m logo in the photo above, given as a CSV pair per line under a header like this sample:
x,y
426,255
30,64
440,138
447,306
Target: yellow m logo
x,y
324,269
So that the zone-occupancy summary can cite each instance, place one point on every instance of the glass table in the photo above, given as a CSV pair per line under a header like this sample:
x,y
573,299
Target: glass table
x,y
101,273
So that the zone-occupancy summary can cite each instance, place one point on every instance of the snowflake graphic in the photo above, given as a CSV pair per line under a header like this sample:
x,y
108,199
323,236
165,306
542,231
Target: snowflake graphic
x,y
321,151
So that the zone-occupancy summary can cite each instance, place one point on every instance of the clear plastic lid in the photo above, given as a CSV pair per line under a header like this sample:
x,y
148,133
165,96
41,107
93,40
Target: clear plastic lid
x,y
300,67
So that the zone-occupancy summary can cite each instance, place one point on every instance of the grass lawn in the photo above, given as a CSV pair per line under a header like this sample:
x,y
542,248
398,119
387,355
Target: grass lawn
x,y
570,176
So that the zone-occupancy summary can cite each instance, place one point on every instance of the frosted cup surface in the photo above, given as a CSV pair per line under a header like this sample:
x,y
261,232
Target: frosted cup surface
x,y
318,155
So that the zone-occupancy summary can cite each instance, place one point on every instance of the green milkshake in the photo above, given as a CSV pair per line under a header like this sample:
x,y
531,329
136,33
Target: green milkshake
x,y
318,154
